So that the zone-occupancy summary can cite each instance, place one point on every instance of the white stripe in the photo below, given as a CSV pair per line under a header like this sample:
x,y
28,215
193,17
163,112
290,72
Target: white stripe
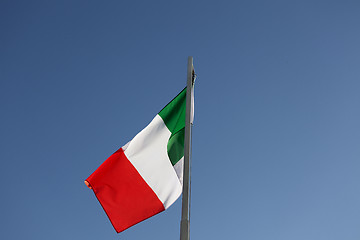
x,y
179,169
147,151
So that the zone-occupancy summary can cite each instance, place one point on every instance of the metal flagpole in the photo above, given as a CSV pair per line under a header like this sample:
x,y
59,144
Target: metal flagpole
x,y
185,214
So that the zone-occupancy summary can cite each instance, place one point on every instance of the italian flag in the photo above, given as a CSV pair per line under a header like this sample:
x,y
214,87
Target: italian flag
x,y
144,177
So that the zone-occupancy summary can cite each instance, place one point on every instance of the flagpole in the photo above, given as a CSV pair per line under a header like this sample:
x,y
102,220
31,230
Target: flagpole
x,y
185,214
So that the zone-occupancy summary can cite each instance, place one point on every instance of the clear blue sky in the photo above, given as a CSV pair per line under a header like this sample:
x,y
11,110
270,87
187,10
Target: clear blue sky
x,y
276,140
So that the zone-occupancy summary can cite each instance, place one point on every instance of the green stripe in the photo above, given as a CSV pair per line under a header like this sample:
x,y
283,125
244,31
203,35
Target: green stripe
x,y
173,115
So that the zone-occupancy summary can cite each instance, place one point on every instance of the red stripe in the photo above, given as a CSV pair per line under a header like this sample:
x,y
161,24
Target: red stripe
x,y
126,198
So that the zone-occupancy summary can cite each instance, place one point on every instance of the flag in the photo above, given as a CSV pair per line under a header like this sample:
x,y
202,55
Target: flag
x,y
144,177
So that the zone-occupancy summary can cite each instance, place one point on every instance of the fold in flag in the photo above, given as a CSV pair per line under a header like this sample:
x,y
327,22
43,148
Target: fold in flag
x,y
144,177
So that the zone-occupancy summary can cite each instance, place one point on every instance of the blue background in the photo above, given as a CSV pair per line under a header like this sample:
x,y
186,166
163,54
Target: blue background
x,y
277,114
